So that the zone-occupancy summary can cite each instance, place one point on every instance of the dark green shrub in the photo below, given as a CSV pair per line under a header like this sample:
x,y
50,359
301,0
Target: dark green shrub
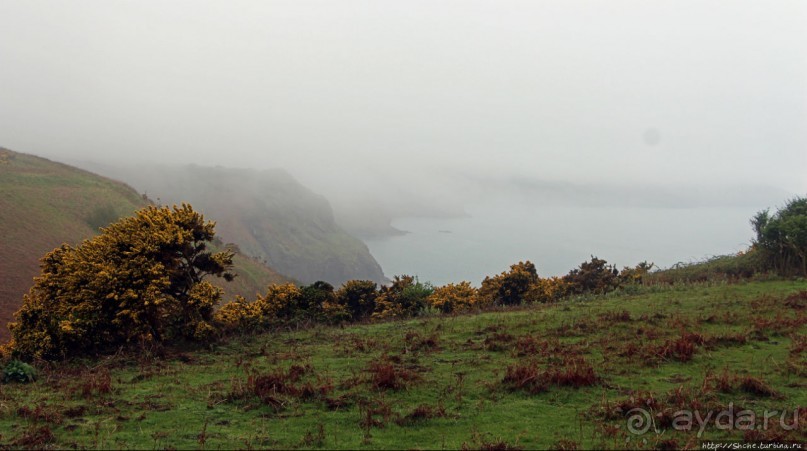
x,y
405,297
512,287
301,304
17,371
102,216
358,298
595,276
314,297
782,237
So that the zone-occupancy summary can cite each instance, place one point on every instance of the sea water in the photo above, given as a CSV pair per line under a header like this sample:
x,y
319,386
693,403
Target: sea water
x,y
557,239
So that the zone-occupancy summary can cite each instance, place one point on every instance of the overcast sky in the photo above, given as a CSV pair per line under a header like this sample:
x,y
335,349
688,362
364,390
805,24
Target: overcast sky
x,y
679,92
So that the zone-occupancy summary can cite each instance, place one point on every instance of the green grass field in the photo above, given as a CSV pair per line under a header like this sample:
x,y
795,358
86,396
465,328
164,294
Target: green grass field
x,y
544,376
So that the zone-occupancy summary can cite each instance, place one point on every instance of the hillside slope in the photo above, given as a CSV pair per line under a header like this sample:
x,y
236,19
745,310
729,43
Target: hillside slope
x,y
268,214
44,204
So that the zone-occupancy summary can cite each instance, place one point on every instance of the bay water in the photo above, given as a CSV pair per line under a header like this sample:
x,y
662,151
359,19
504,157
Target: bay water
x,y
557,238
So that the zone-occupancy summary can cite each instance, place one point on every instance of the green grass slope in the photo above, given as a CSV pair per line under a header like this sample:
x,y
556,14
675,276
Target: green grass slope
x,y
44,204
442,382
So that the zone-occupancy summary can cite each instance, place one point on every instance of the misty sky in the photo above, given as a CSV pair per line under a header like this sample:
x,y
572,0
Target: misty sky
x,y
673,92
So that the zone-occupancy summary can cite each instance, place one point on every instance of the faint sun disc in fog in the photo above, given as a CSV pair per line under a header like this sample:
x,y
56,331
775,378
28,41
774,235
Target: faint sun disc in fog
x,y
651,137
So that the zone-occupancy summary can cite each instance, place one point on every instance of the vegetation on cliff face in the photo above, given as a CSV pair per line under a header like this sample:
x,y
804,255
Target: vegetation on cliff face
x,y
268,214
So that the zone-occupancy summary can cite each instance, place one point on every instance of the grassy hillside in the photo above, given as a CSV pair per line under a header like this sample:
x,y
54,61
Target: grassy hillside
x,y
558,375
268,214
44,204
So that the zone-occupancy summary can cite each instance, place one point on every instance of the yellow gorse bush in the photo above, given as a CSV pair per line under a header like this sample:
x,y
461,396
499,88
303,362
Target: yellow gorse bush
x,y
455,298
280,301
140,279
550,289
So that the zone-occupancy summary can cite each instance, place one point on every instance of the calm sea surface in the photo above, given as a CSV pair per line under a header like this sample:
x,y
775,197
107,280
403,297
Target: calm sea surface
x,y
557,239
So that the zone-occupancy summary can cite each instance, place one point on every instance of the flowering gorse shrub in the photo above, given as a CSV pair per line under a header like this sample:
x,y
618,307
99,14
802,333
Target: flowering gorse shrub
x,y
550,289
455,298
140,280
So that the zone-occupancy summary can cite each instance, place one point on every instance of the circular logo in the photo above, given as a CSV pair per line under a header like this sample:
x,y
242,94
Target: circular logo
x,y
639,421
